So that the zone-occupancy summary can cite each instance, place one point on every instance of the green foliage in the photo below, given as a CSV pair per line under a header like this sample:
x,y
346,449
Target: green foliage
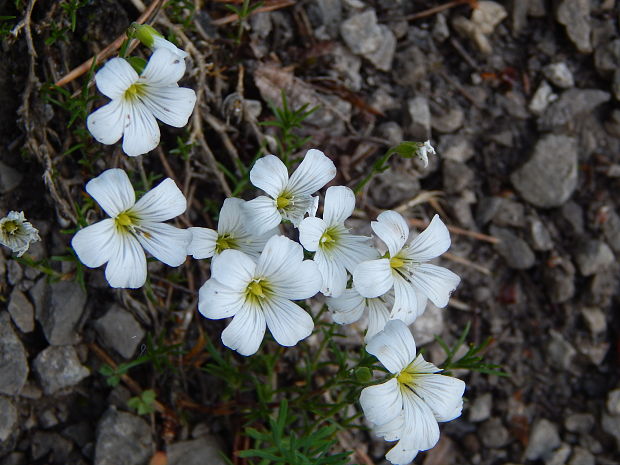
x,y
243,12
279,443
144,404
181,12
54,276
472,359
156,353
71,7
183,149
7,24
287,120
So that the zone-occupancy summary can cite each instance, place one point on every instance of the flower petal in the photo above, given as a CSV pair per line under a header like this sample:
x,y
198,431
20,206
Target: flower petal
x,y
443,394
393,346
311,230
353,250
246,331
382,403
373,277
171,105
141,133
94,244
232,217
287,321
280,257
262,214
216,301
234,269
390,431
378,315
436,282
339,204
203,243
165,242
347,308
253,244
431,243
402,453
299,282
160,42
270,175
392,229
163,69
313,172
405,301
163,202
127,265
334,274
112,191
420,426
107,123
115,77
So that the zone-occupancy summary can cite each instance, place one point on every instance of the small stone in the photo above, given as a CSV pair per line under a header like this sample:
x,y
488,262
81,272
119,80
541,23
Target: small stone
x,y
549,178
593,256
607,58
480,408
9,178
595,319
571,104
484,19
513,249
573,214
494,434
382,57
560,351
441,31
595,352
510,213
14,458
575,15
559,74
204,450
559,456
538,234
122,438
519,15
58,367
15,273
8,418
542,98
21,311
80,433
611,425
456,176
420,114
613,402
581,456
537,8
455,147
544,438
579,422
449,121
560,281
44,443
615,84
392,132
13,360
364,36
428,325
61,314
487,208
119,330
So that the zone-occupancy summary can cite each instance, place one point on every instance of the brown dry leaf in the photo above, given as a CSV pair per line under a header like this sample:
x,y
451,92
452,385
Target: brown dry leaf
x,y
159,458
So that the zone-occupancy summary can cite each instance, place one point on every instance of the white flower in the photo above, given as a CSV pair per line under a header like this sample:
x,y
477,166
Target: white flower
x,y
16,233
133,225
258,295
408,406
336,249
405,267
423,152
232,233
290,198
350,306
138,100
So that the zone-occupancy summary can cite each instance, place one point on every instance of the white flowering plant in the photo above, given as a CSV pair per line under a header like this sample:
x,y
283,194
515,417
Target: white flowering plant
x,y
299,304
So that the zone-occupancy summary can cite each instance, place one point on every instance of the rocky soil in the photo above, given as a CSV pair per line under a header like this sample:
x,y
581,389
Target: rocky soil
x,y
520,98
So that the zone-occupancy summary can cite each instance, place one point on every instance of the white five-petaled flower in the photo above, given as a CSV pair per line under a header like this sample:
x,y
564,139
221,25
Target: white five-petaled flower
x,y
232,233
424,150
137,100
350,306
16,233
408,406
289,198
336,250
259,294
132,225
404,267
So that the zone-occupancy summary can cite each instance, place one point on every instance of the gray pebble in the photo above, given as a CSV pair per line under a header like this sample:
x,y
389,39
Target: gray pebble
x,y
364,36
593,256
119,330
510,213
560,352
8,418
21,311
9,178
581,456
549,178
420,114
448,122
611,230
559,74
538,234
455,147
595,319
494,434
513,249
613,402
61,312
579,422
544,438
559,456
575,15
122,438
456,176
13,361
607,57
571,104
58,367
428,325
204,450
480,408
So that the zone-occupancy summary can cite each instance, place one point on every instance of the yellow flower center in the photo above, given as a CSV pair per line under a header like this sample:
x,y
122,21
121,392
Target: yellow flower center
x,y
10,227
282,202
134,91
396,262
127,221
224,242
256,289
405,378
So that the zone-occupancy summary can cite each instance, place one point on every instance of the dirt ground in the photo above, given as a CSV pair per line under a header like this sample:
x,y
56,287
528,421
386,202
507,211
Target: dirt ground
x,y
520,99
